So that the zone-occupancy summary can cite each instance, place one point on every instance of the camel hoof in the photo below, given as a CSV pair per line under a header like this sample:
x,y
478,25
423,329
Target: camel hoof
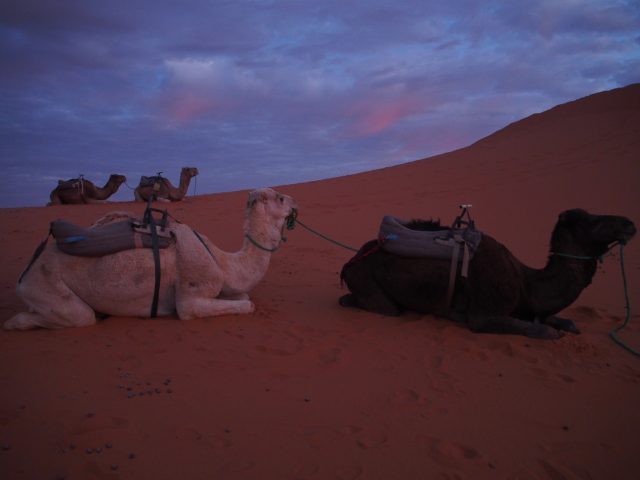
x,y
21,321
544,332
348,300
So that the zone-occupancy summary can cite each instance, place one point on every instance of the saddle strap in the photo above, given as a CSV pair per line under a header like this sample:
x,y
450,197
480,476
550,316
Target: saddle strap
x,y
457,243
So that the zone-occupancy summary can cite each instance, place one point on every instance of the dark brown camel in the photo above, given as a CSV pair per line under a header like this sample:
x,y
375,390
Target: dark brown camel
x,y
81,190
160,188
500,294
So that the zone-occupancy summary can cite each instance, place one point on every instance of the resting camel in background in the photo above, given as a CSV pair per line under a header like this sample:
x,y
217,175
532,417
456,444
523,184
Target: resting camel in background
x,y
81,190
198,279
500,294
160,188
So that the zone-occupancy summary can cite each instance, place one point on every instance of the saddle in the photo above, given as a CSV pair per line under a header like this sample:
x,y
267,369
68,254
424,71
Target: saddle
x,y
154,181
444,243
106,239
71,184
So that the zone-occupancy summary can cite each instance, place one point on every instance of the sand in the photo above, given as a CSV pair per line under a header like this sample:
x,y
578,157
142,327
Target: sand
x,y
305,389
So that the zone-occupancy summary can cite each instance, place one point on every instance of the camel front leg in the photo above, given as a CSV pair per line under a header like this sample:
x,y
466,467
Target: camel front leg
x,y
199,307
505,324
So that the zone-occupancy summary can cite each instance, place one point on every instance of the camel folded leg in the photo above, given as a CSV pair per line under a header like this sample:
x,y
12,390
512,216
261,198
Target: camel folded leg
x,y
560,323
198,307
505,324
55,307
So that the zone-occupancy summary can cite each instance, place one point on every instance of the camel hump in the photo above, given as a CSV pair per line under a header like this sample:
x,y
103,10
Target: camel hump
x,y
398,238
104,239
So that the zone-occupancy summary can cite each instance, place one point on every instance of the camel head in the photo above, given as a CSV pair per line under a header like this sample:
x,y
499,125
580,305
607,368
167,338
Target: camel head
x,y
592,234
117,179
268,203
189,172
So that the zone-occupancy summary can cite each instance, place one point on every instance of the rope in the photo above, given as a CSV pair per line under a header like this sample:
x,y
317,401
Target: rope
x,y
614,333
335,242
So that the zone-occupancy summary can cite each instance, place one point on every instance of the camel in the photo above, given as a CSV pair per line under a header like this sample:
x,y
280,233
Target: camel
x,y
160,188
81,190
197,278
500,294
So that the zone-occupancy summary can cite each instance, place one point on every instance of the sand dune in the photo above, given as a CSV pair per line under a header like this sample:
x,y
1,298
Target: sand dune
x,y
304,389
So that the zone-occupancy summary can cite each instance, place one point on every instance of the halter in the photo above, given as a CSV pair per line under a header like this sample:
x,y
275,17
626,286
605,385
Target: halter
x,y
289,223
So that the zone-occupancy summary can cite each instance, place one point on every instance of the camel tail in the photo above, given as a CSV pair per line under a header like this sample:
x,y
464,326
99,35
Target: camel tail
x,y
35,256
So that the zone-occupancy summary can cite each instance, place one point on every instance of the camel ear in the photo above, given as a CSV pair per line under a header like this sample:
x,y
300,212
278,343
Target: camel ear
x,y
256,196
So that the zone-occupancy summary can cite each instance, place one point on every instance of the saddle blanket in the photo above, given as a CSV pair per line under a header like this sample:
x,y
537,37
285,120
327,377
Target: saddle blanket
x,y
398,239
105,239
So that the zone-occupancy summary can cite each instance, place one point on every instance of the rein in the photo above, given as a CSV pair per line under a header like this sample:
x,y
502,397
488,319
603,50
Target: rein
x,y
627,305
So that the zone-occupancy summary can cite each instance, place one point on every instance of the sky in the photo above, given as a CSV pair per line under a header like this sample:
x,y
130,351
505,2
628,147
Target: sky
x,y
266,93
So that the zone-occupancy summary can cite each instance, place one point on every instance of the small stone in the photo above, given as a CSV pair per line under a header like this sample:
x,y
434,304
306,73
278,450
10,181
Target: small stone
x,y
89,451
169,390
6,446
131,395
492,466
90,415
141,394
565,428
158,390
98,450
108,445
227,430
132,456
114,467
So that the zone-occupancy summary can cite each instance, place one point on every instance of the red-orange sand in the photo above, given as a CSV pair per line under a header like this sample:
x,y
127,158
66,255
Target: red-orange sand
x,y
305,389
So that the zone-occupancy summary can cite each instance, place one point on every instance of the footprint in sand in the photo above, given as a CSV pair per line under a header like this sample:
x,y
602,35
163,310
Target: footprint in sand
x,y
328,357
450,454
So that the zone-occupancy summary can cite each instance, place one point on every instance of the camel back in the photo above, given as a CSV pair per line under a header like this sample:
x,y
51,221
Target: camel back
x,y
398,239
106,239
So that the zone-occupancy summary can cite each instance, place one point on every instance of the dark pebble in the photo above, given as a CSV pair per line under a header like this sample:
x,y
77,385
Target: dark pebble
x,y
227,430
129,389
492,466
131,395
169,390
98,450
158,390
499,374
141,394
114,467
89,451
90,414
108,445
149,392
6,446
132,456
307,399
565,428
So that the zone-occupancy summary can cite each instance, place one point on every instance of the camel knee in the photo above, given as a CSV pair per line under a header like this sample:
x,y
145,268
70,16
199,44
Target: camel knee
x,y
22,321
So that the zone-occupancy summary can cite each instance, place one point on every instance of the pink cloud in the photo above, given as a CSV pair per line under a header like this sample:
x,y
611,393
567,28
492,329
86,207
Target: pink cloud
x,y
372,117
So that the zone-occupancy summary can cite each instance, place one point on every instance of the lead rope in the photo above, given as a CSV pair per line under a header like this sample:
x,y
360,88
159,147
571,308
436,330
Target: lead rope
x,y
614,333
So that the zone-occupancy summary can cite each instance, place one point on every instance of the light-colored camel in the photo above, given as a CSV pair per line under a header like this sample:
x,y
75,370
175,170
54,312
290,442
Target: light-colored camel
x,y
67,291
80,190
161,189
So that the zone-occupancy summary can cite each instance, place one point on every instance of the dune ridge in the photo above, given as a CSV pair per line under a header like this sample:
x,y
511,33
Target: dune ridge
x,y
304,389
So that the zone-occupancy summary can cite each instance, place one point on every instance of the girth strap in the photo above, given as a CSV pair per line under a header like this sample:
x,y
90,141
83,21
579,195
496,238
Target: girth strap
x,y
151,221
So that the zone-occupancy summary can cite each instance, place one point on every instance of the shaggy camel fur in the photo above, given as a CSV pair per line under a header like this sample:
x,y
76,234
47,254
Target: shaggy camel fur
x,y
500,295
84,191
67,291
162,190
